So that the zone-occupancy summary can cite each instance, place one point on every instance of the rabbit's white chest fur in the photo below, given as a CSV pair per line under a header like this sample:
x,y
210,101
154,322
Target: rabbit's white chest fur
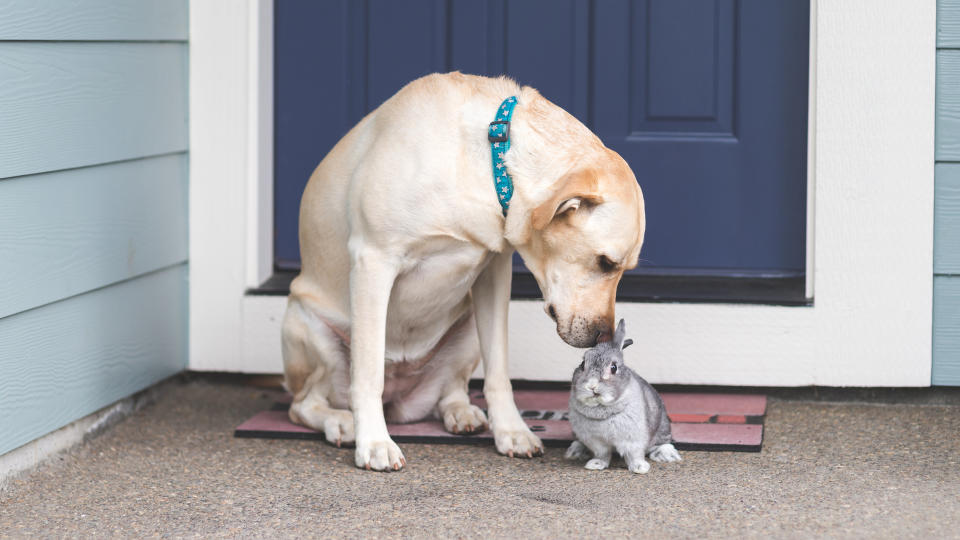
x,y
622,422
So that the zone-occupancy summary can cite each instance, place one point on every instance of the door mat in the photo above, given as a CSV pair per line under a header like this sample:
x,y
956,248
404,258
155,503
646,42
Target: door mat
x,y
706,422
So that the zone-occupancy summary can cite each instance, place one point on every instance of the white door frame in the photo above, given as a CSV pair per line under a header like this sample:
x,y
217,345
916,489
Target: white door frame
x,y
870,219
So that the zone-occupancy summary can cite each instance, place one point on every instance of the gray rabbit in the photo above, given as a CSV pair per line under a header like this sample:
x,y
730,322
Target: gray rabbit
x,y
613,408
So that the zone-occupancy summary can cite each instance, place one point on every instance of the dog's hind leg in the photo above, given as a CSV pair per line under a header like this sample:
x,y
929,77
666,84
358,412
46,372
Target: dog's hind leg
x,y
441,387
458,414
313,361
314,412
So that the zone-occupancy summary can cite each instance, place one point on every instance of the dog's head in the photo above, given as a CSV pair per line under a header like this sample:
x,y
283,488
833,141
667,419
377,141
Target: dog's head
x,y
582,239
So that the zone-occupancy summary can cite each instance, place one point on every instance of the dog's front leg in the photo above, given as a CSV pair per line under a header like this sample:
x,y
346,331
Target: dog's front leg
x,y
371,280
491,301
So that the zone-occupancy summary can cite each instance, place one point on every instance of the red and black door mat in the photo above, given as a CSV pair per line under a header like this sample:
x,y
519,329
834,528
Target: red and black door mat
x,y
705,422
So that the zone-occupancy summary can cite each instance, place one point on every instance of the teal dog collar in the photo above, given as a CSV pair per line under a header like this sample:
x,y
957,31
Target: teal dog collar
x,y
499,136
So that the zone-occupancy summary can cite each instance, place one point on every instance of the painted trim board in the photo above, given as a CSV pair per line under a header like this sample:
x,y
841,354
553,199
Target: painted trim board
x,y
73,104
220,169
65,360
69,232
259,181
715,357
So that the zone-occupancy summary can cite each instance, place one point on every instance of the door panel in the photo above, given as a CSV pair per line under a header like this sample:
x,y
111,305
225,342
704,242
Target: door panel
x,y
707,101
682,70
554,58
405,40
312,101
716,130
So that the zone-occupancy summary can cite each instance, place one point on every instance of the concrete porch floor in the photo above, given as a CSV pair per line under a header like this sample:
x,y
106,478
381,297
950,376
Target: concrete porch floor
x,y
174,469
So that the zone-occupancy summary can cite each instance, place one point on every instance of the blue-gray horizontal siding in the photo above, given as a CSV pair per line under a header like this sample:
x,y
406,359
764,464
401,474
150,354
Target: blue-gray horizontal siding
x,y
948,105
74,104
946,243
93,206
152,20
65,360
946,330
68,232
946,238
948,24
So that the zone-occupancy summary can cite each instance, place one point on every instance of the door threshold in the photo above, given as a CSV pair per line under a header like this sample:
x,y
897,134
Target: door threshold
x,y
780,290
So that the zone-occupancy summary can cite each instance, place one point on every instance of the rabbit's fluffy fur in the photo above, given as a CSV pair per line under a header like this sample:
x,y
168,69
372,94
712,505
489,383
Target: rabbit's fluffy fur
x,y
614,409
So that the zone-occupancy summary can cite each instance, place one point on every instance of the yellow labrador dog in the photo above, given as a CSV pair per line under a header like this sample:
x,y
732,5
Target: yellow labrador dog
x,y
407,261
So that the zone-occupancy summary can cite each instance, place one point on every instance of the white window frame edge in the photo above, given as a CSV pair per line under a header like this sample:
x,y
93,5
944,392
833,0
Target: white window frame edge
x,y
260,144
811,154
870,219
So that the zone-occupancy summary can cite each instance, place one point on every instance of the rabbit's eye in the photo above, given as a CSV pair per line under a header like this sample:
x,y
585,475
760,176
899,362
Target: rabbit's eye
x,y
581,365
613,368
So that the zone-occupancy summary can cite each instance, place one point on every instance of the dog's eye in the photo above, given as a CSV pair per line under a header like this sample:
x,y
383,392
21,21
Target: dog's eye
x,y
605,264
581,365
613,369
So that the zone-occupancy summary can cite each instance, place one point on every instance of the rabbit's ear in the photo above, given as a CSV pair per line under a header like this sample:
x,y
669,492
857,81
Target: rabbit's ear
x,y
626,343
618,335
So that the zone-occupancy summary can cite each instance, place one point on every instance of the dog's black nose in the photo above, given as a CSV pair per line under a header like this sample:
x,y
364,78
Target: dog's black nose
x,y
552,312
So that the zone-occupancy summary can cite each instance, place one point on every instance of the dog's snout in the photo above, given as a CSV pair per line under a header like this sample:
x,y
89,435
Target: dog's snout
x,y
582,332
552,312
603,336
604,330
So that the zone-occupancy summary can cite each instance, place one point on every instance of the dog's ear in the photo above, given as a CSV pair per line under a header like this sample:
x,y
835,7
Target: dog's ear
x,y
575,189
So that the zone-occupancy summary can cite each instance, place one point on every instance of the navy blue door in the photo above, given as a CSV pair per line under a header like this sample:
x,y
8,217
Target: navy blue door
x,y
707,101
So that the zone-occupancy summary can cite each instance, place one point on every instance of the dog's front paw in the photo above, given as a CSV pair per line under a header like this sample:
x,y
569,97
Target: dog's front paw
x,y
382,455
338,427
464,419
518,441
335,424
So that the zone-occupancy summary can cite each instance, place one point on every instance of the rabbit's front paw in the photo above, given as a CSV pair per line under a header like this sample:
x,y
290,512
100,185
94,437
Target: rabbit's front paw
x,y
639,467
665,453
597,464
577,451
